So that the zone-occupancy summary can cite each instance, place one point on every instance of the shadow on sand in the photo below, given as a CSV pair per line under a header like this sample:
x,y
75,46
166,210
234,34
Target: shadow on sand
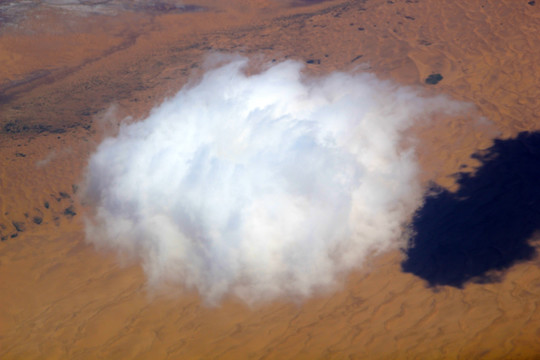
x,y
486,225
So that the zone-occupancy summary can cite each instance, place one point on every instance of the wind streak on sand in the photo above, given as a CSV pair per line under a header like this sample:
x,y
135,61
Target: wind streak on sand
x,y
261,186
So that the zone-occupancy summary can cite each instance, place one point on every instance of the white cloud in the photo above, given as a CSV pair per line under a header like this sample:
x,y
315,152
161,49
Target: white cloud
x,y
261,186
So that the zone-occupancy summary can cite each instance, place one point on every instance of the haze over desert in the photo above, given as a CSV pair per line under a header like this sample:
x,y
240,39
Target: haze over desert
x,y
269,179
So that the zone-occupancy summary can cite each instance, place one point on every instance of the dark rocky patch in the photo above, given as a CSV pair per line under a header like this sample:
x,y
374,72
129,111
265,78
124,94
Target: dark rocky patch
x,y
19,154
165,7
19,226
307,2
17,128
14,235
433,79
313,61
484,227
531,2
356,58
46,204
64,195
37,220
361,29
11,128
70,211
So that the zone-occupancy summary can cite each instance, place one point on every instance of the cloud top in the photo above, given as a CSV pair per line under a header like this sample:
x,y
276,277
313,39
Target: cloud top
x,y
261,186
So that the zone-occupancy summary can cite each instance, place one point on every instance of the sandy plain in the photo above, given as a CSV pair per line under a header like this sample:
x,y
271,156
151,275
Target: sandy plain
x,y
63,68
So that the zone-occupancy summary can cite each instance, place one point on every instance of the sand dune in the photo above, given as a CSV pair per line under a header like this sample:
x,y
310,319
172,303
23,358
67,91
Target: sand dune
x,y
60,75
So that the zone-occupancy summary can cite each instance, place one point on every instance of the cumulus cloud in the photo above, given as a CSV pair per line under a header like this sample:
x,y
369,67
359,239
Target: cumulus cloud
x,y
261,186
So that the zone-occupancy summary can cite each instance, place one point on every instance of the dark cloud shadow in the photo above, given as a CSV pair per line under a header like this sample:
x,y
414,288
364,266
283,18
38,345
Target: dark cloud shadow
x,y
486,225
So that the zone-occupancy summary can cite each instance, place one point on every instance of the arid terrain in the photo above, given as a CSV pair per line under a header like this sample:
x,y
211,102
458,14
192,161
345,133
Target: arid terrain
x,y
68,69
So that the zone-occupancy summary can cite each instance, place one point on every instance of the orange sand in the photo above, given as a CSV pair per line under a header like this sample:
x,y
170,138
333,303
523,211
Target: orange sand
x,y
63,299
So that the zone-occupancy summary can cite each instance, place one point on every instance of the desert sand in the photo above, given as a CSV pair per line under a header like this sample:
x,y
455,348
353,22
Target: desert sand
x,y
67,69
